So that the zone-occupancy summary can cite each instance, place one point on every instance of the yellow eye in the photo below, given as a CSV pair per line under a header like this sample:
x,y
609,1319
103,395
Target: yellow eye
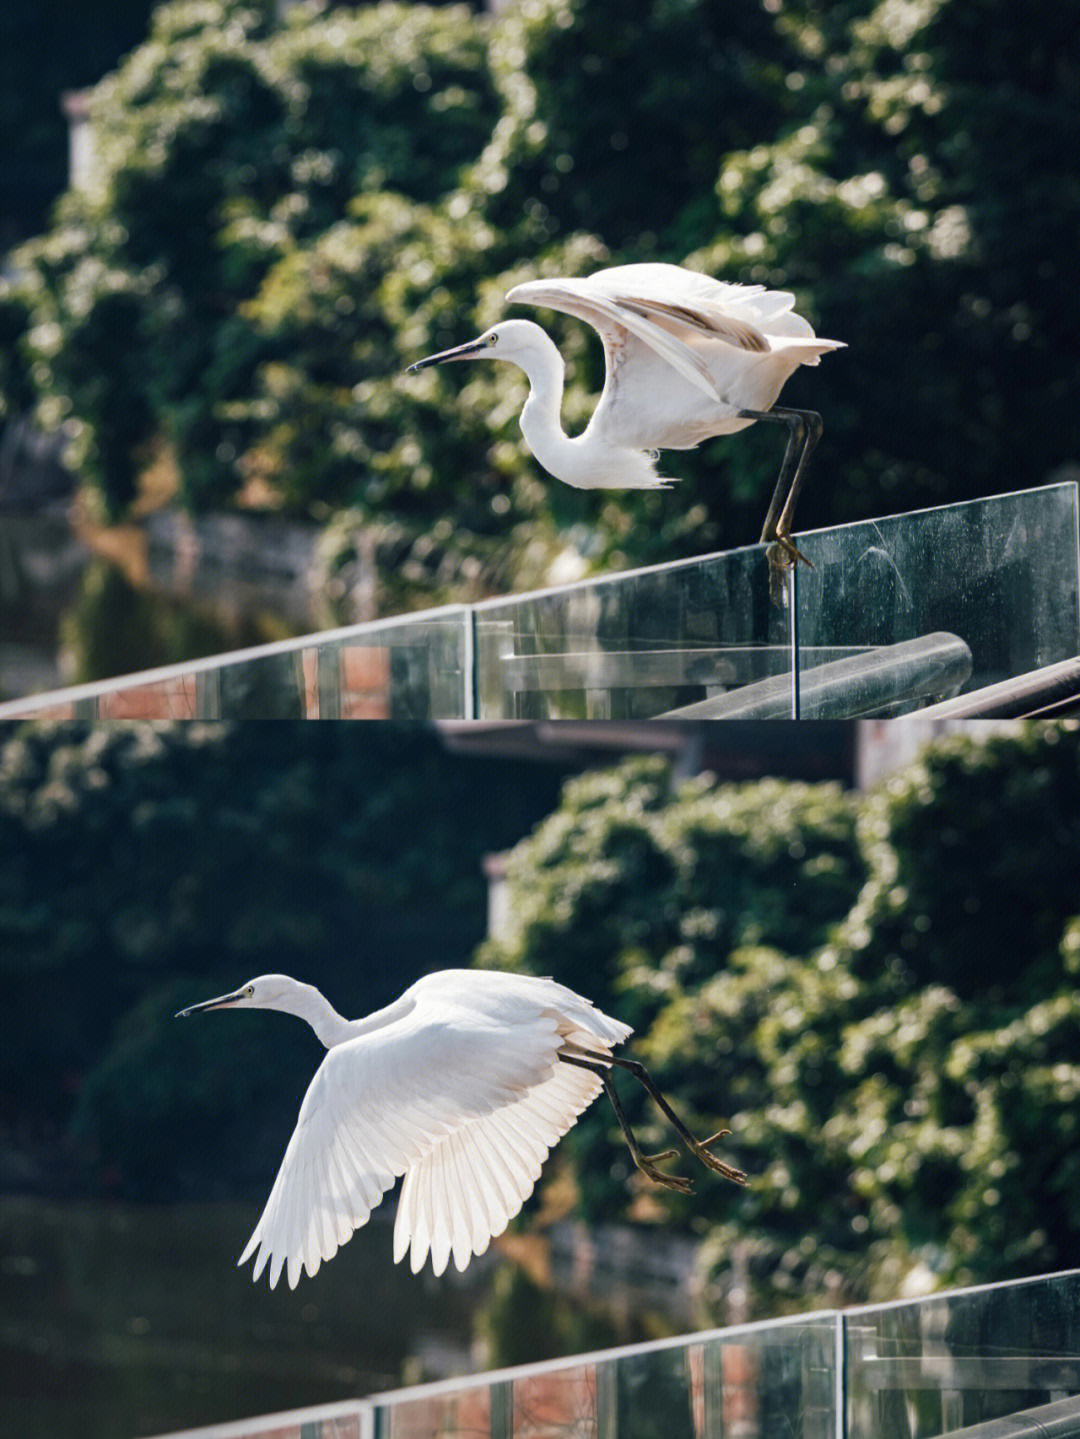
x,y
493,339
250,990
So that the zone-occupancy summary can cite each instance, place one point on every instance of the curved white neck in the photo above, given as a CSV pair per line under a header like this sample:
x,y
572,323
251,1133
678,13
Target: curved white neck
x,y
307,1003
541,422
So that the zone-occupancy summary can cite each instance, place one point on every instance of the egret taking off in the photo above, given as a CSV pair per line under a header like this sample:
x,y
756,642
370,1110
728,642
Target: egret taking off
x,y
688,357
462,1085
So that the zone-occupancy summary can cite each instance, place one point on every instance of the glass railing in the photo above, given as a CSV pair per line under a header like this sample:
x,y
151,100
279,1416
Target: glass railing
x,y
895,614
635,645
982,1363
974,593
413,668
998,1362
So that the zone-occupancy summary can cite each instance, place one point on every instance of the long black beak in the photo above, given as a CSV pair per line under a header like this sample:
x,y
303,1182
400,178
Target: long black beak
x,y
221,1002
459,352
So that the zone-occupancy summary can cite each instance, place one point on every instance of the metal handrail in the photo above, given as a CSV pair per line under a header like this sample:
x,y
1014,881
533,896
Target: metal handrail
x,y
1037,692
867,684
1057,1420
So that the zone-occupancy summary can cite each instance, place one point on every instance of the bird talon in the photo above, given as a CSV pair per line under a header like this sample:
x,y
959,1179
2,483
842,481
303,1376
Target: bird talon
x,y
659,1158
670,1181
784,554
700,1148
710,1161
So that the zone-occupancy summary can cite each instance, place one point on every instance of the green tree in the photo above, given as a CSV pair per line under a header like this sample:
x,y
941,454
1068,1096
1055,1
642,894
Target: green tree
x,y
292,213
665,903
878,994
224,143
149,866
45,51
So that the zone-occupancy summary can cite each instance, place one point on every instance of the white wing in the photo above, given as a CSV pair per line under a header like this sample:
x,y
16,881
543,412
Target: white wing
x,y
466,1190
468,1187
614,320
378,1104
685,353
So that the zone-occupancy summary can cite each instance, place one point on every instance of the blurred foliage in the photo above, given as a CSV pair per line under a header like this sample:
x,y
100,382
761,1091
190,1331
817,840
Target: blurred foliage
x,y
291,212
46,50
112,626
151,866
524,1323
878,994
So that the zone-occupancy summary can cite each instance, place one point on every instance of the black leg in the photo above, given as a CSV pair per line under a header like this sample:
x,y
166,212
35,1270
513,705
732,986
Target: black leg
x,y
699,1148
804,431
645,1162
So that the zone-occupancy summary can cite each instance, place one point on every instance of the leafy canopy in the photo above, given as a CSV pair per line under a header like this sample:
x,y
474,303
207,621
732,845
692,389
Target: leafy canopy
x,y
290,213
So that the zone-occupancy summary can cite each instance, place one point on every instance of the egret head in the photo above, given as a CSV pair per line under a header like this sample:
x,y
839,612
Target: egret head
x,y
267,992
517,340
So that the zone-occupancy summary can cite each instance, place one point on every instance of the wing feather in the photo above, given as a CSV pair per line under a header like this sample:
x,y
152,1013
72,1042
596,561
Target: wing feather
x,y
706,320
479,1177
477,1201
377,1105
458,1193
343,1188
403,1223
556,295
422,1234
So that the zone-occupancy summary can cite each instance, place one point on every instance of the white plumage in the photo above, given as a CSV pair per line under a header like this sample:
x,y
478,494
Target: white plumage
x,y
457,1086
688,357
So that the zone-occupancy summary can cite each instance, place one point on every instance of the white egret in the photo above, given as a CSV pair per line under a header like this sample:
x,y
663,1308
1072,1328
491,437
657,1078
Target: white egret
x,y
462,1085
688,357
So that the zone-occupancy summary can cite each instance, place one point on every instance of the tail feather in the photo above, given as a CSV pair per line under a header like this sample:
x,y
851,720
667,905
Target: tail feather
x,y
629,470
808,351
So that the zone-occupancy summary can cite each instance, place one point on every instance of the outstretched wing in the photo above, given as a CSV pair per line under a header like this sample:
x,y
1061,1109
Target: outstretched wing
x,y
379,1104
465,1191
614,320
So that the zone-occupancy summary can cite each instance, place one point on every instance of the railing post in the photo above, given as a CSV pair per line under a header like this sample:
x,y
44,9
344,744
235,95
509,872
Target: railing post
x,y
502,1410
607,1404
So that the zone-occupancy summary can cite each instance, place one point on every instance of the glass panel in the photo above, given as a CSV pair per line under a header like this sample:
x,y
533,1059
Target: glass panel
x,y
351,1420
767,1380
754,1382
675,640
900,612
896,614
1002,1362
962,1362
434,1415
408,669
413,669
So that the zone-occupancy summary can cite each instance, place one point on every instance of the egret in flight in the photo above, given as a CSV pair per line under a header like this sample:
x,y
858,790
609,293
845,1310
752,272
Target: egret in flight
x,y
688,357
462,1085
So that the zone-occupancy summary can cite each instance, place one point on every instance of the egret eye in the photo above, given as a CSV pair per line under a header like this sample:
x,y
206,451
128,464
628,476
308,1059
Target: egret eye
x,y
250,990
493,339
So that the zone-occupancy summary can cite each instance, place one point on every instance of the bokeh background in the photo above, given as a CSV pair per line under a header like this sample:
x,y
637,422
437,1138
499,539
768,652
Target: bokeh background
x,y
277,207
872,981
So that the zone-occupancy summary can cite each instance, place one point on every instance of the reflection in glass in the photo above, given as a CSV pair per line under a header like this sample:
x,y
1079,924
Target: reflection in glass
x,y
894,615
634,646
413,669
957,1361
997,576
755,1382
